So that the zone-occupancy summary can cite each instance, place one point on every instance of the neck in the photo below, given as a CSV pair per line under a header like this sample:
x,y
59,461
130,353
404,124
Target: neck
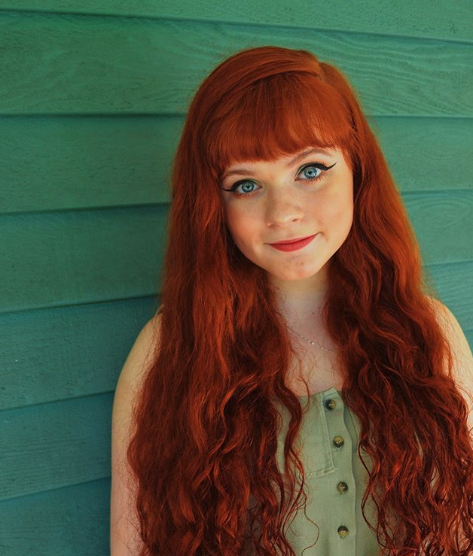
x,y
302,312
301,299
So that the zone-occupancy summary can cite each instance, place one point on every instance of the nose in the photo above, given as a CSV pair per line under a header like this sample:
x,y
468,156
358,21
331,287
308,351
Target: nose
x,y
283,208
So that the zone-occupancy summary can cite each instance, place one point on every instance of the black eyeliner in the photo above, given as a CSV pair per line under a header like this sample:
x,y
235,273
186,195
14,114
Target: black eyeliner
x,y
316,164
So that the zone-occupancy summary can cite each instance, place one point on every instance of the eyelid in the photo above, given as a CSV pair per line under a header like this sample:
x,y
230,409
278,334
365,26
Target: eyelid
x,y
325,167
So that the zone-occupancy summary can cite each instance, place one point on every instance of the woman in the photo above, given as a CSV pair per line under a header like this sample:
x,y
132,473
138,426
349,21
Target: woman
x,y
313,395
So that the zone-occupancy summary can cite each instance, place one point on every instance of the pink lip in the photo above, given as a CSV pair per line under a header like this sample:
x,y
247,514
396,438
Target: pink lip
x,y
290,240
293,245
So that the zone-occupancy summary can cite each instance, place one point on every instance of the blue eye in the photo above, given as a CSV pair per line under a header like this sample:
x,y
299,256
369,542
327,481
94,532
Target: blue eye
x,y
248,193
310,168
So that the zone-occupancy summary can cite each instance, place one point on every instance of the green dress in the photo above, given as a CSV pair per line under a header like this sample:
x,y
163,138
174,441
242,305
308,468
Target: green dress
x,y
335,481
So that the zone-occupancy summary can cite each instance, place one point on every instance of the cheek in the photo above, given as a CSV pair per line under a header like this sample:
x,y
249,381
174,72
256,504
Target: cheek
x,y
235,222
333,208
240,222
336,214
346,213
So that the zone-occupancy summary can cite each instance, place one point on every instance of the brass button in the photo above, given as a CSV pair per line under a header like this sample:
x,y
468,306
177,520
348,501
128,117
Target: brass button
x,y
338,441
342,487
330,404
343,531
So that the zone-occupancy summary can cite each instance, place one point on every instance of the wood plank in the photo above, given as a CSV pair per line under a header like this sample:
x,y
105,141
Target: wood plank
x,y
70,163
417,148
55,445
455,283
70,258
423,18
72,521
69,65
443,222
68,352
93,341
92,162
77,257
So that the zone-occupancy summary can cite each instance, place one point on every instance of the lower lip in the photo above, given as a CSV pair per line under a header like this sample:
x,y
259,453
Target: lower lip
x,y
293,246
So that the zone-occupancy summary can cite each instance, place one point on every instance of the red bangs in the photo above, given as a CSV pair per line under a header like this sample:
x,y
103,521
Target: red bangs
x,y
275,117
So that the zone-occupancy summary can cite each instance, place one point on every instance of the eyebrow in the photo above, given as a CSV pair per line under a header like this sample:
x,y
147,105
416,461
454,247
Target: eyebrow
x,y
300,156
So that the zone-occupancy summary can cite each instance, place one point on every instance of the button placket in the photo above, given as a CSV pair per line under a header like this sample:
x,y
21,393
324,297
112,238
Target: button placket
x,y
314,441
343,480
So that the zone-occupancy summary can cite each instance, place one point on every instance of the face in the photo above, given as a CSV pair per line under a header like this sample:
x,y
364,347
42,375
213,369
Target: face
x,y
266,202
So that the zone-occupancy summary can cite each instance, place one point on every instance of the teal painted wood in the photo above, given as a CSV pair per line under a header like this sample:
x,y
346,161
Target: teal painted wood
x,y
51,446
51,164
71,521
74,257
79,163
93,341
136,66
443,222
454,283
85,199
423,18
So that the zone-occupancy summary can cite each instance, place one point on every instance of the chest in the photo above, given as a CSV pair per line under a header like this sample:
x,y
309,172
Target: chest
x,y
319,368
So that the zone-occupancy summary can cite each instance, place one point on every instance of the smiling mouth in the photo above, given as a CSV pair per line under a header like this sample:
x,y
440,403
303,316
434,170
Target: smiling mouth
x,y
293,245
295,240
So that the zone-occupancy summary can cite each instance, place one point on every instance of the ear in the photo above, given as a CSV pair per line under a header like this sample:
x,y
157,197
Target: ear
x,y
462,356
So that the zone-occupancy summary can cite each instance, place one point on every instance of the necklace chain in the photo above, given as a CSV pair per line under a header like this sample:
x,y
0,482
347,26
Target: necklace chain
x,y
311,341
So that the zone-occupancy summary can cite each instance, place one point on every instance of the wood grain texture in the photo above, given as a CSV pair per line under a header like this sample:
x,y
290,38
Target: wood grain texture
x,y
55,445
52,164
455,284
70,163
423,18
67,258
70,521
443,222
70,65
68,352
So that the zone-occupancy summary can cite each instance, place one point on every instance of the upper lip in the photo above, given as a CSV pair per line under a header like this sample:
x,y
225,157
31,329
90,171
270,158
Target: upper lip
x,y
291,240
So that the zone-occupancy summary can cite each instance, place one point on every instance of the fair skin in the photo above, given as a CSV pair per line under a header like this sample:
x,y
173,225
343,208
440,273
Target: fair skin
x,y
278,203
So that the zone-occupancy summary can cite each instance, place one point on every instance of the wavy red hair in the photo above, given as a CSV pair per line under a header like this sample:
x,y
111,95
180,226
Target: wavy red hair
x,y
206,426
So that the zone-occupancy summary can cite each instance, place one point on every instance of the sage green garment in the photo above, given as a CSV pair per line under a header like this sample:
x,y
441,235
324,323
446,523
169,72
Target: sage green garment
x,y
335,481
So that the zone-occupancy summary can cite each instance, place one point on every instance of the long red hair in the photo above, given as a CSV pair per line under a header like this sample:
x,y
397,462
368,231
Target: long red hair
x,y
206,425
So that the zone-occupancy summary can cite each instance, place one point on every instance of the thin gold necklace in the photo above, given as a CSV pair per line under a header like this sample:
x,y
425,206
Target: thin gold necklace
x,y
312,342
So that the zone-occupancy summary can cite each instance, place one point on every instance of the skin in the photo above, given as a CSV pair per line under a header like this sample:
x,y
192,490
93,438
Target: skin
x,y
282,205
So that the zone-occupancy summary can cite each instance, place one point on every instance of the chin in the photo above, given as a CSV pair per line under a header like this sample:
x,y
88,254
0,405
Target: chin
x,y
294,276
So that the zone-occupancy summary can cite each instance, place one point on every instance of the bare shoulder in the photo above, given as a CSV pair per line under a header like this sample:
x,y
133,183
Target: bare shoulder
x,y
461,351
124,524
142,353
453,331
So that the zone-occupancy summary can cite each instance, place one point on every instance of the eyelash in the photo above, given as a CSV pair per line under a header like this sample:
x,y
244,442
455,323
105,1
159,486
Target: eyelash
x,y
316,165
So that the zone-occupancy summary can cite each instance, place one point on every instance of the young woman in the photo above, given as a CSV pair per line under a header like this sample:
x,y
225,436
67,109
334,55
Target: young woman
x,y
301,386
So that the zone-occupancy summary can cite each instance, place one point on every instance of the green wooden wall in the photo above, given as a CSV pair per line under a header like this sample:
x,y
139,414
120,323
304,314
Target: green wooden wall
x,y
93,98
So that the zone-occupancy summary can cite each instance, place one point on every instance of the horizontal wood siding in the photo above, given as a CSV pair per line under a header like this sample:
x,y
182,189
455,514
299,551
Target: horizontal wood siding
x,y
427,19
94,96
